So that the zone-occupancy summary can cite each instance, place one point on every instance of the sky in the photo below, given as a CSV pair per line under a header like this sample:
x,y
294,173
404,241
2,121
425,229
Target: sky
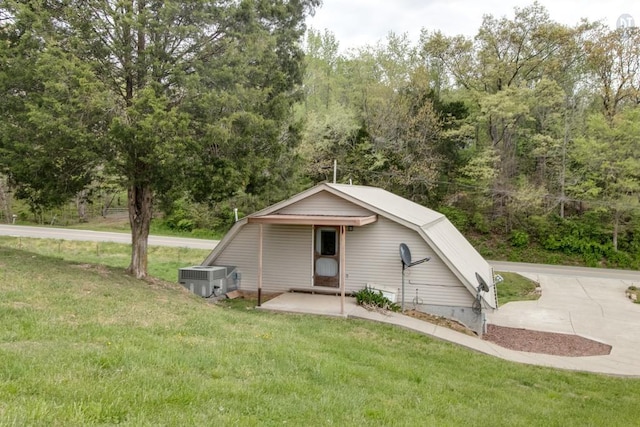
x,y
357,23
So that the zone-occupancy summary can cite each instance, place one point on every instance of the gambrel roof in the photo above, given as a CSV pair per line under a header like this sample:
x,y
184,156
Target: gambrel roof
x,y
439,233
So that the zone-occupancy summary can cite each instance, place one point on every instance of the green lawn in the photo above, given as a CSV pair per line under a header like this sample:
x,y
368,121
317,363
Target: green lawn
x,y
164,262
516,288
84,344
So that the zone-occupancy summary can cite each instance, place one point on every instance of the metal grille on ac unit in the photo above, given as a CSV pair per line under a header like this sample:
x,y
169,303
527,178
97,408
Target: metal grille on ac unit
x,y
208,281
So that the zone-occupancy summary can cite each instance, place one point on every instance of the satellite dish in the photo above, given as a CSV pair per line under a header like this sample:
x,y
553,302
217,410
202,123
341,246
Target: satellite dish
x,y
483,285
405,254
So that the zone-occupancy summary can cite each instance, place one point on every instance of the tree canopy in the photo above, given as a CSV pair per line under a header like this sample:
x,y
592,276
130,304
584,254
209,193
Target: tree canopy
x,y
525,127
524,132
168,96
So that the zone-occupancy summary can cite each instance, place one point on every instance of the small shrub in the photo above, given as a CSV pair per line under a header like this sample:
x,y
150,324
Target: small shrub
x,y
457,217
185,224
369,297
519,238
539,227
480,223
619,259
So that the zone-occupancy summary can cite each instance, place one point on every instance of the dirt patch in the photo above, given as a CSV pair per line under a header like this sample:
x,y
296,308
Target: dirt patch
x,y
440,321
253,296
545,342
98,268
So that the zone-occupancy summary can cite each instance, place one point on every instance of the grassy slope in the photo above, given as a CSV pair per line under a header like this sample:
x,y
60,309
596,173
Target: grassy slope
x,y
83,344
516,288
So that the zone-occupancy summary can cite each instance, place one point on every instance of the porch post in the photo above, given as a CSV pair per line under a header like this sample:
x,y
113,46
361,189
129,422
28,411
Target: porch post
x,y
343,257
313,263
260,265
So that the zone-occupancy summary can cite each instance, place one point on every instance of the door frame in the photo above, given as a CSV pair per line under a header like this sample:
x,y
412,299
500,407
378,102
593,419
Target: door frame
x,y
317,243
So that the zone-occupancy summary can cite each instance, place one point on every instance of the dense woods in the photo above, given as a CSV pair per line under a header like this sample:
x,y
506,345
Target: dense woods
x,y
527,134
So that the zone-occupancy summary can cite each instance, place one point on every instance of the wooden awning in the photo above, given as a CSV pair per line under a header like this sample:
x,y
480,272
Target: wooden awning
x,y
355,221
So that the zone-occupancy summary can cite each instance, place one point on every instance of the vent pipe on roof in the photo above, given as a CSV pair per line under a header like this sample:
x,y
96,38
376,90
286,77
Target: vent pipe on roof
x,y
235,213
335,170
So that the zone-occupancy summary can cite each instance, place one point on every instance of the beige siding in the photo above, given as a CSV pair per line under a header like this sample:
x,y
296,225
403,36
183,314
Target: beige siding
x,y
242,252
373,257
287,257
324,203
450,241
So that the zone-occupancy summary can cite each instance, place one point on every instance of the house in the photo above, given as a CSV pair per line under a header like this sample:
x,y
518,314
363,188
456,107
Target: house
x,y
345,237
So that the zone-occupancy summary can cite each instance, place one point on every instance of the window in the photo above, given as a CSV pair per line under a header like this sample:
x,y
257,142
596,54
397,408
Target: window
x,y
327,241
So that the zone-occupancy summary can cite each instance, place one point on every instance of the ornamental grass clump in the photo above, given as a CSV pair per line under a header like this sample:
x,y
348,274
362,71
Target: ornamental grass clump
x,y
374,299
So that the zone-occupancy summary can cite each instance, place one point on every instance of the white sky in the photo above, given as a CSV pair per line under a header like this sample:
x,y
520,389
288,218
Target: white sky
x,y
357,23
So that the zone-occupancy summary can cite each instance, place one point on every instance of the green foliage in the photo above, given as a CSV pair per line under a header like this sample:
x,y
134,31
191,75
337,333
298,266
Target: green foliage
x,y
180,216
370,297
168,97
585,237
519,238
215,107
480,223
52,129
458,217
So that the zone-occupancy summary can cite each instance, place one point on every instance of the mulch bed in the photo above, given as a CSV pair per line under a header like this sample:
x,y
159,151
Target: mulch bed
x,y
545,342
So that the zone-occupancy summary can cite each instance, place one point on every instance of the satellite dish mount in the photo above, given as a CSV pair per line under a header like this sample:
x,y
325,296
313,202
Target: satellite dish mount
x,y
405,257
482,287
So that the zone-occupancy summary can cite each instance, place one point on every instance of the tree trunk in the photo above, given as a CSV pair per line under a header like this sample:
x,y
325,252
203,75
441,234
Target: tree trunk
x,y
4,201
140,203
616,226
81,205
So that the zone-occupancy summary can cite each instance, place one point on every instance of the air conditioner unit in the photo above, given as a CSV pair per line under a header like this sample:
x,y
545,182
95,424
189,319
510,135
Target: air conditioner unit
x,y
208,281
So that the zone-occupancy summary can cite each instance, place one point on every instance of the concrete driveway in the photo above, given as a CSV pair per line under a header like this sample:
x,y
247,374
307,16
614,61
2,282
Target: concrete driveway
x,y
591,307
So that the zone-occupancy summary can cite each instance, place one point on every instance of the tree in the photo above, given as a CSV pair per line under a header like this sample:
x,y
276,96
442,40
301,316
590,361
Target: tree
x,y
609,166
514,75
322,79
51,129
200,91
613,60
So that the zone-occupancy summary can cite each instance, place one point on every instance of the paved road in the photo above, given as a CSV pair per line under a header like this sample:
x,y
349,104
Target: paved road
x,y
101,236
602,273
